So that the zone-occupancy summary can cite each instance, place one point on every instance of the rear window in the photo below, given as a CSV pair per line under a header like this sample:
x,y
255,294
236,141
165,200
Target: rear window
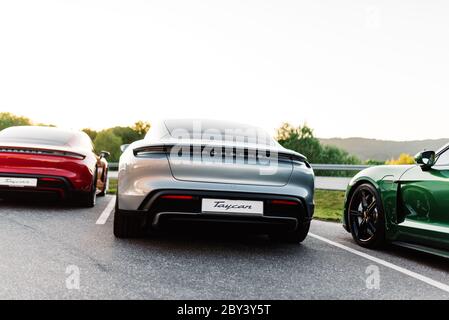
x,y
37,135
217,130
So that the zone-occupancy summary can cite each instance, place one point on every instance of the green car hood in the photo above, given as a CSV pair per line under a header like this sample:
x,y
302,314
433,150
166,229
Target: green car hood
x,y
379,173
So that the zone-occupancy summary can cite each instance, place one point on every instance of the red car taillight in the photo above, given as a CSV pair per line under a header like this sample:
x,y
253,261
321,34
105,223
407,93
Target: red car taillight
x,y
42,152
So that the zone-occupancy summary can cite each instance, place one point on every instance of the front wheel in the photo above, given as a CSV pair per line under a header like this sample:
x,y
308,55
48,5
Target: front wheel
x,y
296,236
366,217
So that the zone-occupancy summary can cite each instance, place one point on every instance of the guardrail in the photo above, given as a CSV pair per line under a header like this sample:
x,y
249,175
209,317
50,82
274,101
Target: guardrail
x,y
317,166
113,165
340,167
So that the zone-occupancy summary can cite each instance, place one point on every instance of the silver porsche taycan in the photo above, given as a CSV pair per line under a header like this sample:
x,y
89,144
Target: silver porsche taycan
x,y
213,174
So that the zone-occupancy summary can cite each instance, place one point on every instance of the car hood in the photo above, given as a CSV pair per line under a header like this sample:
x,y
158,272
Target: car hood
x,y
378,173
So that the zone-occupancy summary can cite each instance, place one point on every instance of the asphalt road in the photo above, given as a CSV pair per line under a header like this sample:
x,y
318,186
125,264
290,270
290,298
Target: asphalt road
x,y
44,246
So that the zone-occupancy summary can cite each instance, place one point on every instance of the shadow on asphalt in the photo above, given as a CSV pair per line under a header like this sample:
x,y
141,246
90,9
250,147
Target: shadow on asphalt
x,y
170,239
429,260
39,202
423,258
201,241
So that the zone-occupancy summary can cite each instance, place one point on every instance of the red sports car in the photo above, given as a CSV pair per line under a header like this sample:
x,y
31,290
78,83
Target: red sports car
x,y
46,160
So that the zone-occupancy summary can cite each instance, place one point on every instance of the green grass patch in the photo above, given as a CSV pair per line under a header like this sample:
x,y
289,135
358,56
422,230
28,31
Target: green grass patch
x,y
329,205
112,186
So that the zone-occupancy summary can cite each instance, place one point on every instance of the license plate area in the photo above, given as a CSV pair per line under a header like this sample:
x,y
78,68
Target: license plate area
x,y
232,206
18,182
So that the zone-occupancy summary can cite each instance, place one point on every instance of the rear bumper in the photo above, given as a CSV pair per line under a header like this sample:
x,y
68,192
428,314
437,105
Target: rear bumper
x,y
158,213
60,187
77,173
247,223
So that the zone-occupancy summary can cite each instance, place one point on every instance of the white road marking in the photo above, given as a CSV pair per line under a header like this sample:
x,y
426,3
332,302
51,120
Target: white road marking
x,y
387,264
107,211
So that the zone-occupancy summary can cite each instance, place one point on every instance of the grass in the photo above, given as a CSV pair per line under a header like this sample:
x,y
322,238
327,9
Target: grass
x,y
112,186
329,204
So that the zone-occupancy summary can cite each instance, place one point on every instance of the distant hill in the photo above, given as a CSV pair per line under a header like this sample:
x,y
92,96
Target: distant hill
x,y
382,149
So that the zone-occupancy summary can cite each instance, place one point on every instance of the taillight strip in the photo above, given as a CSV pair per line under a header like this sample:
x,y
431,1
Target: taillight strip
x,y
177,197
284,202
43,152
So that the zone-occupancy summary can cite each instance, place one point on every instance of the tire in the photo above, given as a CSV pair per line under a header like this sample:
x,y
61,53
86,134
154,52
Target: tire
x,y
90,199
105,186
126,225
296,236
366,218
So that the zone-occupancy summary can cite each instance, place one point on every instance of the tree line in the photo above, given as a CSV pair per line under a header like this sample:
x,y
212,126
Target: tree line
x,y
109,139
300,139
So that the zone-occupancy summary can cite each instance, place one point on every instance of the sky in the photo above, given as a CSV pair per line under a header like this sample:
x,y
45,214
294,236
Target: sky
x,y
375,69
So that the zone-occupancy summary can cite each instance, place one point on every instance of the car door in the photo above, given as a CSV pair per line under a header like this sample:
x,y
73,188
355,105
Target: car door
x,y
424,203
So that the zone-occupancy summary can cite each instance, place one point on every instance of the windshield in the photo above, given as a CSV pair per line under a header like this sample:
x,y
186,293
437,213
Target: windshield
x,y
36,135
216,130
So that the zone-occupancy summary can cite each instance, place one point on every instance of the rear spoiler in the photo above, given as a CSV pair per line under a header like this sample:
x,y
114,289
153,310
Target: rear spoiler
x,y
214,150
46,152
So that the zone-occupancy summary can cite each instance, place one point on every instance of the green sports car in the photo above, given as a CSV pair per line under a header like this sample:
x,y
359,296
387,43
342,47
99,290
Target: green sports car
x,y
406,204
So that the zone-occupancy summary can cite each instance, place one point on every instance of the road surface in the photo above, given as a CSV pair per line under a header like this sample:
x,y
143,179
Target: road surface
x,y
60,252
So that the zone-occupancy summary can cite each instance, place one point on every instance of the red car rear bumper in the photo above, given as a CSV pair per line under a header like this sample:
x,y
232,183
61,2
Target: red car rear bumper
x,y
62,175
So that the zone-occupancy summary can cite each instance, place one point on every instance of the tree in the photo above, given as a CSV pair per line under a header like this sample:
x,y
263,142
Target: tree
x,y
301,140
107,140
334,155
91,133
404,158
127,134
9,120
372,162
141,128
111,139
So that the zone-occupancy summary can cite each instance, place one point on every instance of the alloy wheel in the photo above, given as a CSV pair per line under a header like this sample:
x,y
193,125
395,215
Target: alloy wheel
x,y
364,214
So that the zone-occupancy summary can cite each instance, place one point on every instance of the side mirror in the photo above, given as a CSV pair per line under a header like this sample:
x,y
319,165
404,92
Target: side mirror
x,y
105,154
123,147
426,159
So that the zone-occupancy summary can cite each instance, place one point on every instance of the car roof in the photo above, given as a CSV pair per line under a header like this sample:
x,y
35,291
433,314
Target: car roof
x,y
200,128
41,135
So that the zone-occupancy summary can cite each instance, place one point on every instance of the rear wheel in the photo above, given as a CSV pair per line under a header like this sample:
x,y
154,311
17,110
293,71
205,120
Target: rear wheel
x,y
296,236
366,218
127,225
90,199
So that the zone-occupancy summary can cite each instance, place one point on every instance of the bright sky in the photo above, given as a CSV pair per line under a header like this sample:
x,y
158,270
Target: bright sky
x,y
377,69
